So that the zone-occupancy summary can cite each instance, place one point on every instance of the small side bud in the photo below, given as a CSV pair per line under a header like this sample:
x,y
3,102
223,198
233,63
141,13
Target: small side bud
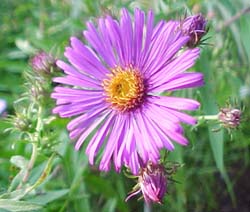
x,y
21,123
42,63
195,27
152,183
230,118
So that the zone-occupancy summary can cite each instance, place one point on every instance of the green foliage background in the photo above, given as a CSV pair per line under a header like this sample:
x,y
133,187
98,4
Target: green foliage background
x,y
216,164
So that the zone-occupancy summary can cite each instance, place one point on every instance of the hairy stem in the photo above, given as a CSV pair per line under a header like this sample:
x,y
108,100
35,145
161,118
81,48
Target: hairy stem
x,y
31,162
35,137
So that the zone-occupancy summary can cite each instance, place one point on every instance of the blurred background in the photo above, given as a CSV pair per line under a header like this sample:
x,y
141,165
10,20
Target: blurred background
x,y
216,163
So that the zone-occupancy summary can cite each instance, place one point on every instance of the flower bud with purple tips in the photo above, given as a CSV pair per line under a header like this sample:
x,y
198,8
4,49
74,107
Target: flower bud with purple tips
x,y
195,27
152,182
230,118
42,63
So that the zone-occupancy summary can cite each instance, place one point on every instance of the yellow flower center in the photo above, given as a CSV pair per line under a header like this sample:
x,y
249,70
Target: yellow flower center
x,y
124,88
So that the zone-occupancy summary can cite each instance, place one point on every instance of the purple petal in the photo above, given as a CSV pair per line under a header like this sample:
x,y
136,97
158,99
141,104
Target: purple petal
x,y
148,141
74,73
148,36
134,161
98,139
139,144
116,135
160,138
186,80
163,115
138,34
65,90
177,137
164,47
79,124
126,36
96,41
77,108
76,97
177,103
175,67
87,132
184,117
109,55
88,55
120,151
89,66
115,37
85,118
70,80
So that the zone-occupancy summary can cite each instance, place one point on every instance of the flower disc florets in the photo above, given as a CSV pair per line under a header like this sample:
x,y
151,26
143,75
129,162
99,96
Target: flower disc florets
x,y
124,89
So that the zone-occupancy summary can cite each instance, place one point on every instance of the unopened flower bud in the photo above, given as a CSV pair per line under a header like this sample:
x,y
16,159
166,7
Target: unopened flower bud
x,y
230,118
152,182
42,63
21,123
195,27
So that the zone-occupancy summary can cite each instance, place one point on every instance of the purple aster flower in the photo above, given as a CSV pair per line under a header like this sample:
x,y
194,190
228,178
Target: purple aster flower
x,y
195,27
113,85
152,183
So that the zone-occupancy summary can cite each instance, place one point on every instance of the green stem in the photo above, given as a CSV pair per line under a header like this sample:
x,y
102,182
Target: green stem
x,y
35,137
39,124
147,207
208,117
43,176
31,162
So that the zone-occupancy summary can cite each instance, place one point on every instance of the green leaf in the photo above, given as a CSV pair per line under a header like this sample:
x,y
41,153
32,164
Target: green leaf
x,y
49,196
210,108
233,27
75,165
244,33
181,201
19,161
25,46
15,205
43,176
110,205
22,163
20,193
15,195
216,142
